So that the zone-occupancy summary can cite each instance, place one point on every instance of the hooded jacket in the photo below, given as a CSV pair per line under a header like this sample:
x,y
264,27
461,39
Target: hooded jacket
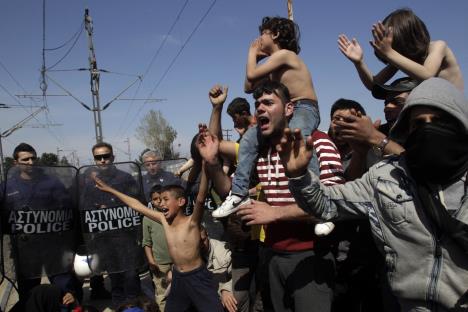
x,y
426,270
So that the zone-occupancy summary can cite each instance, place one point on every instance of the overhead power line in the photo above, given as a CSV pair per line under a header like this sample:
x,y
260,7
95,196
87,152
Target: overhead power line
x,y
155,55
77,33
68,51
173,62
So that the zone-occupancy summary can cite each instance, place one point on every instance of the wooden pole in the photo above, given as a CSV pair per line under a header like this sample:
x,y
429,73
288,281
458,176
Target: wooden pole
x,y
290,10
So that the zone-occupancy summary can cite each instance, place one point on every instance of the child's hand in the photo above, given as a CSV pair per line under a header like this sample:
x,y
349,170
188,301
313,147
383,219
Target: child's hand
x,y
256,48
169,277
68,298
351,49
101,185
218,95
383,38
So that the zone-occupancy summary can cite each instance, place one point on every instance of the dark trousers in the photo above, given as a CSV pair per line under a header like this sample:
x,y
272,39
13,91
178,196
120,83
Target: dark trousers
x,y
193,290
124,286
66,282
301,281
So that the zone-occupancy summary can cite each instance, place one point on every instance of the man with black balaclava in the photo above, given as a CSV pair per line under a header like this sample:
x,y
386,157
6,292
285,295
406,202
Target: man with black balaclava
x,y
416,203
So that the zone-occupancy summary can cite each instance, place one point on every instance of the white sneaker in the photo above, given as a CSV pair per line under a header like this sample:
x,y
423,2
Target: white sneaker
x,y
230,205
323,229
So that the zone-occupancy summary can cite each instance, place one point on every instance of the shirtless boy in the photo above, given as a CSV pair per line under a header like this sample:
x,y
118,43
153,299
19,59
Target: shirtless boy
x,y
279,43
191,282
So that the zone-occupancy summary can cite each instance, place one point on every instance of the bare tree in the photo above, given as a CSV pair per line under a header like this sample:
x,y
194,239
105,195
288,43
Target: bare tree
x,y
156,133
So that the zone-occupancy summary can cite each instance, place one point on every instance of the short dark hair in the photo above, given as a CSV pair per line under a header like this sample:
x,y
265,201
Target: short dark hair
x,y
410,35
176,190
23,147
238,106
346,104
155,189
287,30
269,87
102,144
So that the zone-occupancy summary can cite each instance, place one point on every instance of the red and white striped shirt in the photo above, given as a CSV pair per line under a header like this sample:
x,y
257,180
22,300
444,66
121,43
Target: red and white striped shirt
x,y
295,235
331,168
283,235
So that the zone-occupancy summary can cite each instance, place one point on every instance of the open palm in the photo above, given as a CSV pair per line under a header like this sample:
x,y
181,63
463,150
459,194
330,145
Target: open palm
x,y
295,154
351,49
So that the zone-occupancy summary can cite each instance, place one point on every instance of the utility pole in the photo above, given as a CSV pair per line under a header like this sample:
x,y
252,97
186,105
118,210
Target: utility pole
x,y
95,74
58,156
129,153
6,133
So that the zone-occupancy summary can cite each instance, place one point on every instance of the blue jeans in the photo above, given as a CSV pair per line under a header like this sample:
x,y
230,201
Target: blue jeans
x,y
306,117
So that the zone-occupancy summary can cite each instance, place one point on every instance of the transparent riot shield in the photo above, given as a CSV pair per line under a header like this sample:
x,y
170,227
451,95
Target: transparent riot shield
x,y
162,173
111,230
38,220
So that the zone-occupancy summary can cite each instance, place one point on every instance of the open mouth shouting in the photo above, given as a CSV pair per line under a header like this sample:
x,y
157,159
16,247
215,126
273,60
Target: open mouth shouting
x,y
165,212
263,122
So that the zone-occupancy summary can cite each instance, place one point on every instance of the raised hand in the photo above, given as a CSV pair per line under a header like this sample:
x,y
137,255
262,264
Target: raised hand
x,y
295,154
351,49
383,39
208,145
218,95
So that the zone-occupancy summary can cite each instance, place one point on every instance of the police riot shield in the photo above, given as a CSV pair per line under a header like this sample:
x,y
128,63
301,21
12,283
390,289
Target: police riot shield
x,y
38,220
162,173
111,230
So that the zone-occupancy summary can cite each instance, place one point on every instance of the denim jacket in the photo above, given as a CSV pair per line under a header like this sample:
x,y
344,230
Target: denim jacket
x,y
425,270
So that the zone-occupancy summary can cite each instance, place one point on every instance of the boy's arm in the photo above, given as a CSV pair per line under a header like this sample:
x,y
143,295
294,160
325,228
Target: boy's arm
x,y
217,95
255,72
209,146
382,43
149,256
353,51
148,242
186,166
198,210
130,201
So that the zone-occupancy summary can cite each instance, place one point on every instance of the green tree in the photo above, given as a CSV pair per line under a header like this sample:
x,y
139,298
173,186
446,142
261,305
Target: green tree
x,y
8,163
64,161
48,159
156,133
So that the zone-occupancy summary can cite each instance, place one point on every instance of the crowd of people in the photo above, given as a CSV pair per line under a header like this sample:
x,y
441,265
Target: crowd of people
x,y
366,217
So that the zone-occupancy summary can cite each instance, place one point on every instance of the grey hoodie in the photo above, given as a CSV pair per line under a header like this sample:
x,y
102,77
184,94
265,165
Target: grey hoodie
x,y
426,272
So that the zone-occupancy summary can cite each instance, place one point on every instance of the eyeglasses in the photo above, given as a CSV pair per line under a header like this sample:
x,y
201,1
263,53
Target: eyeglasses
x,y
102,156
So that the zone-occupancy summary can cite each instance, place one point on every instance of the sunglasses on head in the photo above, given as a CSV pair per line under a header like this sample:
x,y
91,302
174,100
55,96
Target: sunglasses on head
x,y
102,156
